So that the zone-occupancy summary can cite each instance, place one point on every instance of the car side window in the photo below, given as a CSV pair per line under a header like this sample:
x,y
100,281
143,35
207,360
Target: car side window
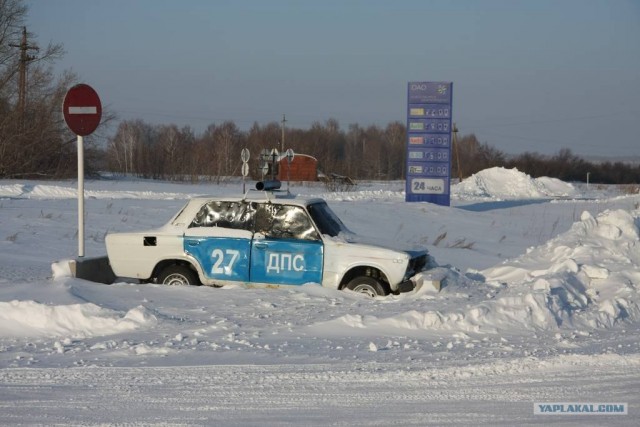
x,y
236,215
284,222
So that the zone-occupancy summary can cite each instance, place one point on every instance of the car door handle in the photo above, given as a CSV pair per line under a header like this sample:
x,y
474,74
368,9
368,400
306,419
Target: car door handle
x,y
193,242
260,245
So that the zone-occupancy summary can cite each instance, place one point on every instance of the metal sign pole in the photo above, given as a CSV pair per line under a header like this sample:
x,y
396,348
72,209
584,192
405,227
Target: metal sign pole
x,y
288,173
245,155
290,156
82,111
80,196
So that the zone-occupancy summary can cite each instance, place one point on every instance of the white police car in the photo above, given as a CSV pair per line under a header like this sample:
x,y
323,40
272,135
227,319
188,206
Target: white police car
x,y
261,241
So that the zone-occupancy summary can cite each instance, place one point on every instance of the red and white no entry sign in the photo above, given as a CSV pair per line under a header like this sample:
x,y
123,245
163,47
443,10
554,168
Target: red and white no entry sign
x,y
82,109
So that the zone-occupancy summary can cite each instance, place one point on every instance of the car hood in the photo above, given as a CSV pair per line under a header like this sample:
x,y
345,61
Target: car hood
x,y
373,243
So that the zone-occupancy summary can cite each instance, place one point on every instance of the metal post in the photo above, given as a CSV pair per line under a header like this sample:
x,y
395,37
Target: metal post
x,y
22,74
284,120
288,173
274,156
455,147
80,196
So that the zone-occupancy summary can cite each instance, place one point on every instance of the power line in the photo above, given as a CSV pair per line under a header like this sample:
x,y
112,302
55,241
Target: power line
x,y
284,120
25,58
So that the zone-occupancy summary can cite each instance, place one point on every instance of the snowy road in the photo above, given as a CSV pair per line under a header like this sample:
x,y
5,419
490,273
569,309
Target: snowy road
x,y
499,393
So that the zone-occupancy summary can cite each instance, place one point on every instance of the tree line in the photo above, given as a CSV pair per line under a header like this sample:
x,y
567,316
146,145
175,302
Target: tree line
x,y
35,142
371,153
169,152
564,165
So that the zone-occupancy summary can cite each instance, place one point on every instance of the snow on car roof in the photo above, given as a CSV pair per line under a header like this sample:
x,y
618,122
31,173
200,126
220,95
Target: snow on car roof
x,y
259,197
194,204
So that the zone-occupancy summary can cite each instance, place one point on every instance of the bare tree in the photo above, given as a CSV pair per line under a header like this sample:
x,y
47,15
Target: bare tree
x,y
396,136
12,16
33,138
122,146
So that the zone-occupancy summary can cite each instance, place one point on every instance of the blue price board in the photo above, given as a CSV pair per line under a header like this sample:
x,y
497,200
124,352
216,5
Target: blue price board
x,y
429,142
430,111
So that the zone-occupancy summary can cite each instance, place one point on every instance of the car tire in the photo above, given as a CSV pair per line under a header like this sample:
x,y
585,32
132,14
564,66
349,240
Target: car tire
x,y
369,286
178,275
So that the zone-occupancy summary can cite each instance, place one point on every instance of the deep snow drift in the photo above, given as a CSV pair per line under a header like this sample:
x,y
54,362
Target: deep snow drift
x,y
535,271
501,183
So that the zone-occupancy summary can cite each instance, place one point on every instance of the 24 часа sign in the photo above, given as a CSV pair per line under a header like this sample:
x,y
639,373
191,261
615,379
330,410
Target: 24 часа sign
x,y
429,142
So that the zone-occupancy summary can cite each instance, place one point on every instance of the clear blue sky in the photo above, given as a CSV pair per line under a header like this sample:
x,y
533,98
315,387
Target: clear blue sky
x,y
536,75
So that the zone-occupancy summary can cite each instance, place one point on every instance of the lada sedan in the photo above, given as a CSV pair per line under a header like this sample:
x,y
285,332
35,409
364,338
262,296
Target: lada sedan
x,y
262,241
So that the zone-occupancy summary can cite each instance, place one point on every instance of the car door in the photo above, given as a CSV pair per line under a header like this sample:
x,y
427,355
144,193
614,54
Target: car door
x,y
286,248
219,238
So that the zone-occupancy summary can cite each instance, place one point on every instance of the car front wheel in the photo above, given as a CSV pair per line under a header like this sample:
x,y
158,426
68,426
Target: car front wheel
x,y
368,286
178,275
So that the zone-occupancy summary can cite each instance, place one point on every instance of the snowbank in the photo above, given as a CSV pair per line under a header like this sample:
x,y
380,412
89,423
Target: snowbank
x,y
33,319
501,183
55,192
585,278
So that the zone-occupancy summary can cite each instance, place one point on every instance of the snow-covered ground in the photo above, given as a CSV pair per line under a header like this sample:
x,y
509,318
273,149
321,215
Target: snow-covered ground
x,y
540,303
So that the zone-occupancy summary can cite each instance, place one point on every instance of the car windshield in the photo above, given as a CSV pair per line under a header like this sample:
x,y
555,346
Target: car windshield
x,y
326,220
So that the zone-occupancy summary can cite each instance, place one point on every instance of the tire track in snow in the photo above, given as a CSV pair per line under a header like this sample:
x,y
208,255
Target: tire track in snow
x,y
343,394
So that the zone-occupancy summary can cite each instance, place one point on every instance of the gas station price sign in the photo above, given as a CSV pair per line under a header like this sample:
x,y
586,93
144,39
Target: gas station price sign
x,y
429,142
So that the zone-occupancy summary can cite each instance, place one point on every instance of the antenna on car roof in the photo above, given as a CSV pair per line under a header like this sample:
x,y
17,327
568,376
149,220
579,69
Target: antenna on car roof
x,y
267,194
270,185
271,189
268,161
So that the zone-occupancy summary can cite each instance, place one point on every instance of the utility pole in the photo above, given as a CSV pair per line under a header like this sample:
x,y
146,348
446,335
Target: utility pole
x,y
25,58
455,147
284,120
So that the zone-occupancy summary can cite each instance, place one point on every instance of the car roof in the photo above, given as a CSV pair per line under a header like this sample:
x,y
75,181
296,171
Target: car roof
x,y
194,204
257,198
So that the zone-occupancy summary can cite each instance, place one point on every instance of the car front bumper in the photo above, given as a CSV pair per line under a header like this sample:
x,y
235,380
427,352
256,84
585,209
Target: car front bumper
x,y
429,279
